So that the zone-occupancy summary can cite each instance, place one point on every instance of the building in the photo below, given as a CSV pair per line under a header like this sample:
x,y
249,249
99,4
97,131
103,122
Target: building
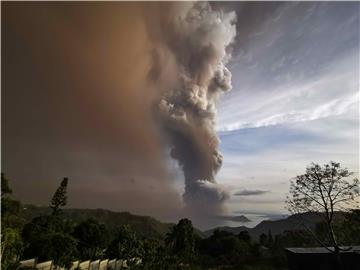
x,y
319,258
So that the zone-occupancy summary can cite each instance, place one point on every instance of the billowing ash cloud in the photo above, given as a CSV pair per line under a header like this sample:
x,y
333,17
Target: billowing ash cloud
x,y
196,38
110,65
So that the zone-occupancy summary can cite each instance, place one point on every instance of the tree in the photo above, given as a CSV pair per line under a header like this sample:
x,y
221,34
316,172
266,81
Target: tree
x,y
11,242
324,190
226,248
9,207
5,188
126,245
270,239
11,248
181,238
92,239
245,236
59,199
347,229
155,256
263,240
49,238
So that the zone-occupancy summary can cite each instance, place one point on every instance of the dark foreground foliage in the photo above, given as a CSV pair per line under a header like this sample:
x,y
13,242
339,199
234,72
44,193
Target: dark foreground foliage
x,y
56,237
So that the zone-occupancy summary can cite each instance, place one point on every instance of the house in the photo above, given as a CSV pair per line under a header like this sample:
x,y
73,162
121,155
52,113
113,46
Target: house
x,y
320,258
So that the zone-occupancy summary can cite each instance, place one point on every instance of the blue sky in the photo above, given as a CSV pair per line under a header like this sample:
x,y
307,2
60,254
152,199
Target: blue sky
x,y
295,100
86,112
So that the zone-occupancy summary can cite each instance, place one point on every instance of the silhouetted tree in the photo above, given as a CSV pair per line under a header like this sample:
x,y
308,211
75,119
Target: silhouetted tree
x,y
126,245
5,188
324,189
245,236
9,207
92,239
59,199
181,238
155,256
270,239
49,238
263,239
11,242
225,248
11,248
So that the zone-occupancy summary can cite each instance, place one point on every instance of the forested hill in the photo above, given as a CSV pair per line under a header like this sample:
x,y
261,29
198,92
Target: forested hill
x,y
150,227
143,225
277,226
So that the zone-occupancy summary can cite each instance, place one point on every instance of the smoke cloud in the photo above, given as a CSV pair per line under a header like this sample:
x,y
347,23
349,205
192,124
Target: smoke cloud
x,y
197,38
99,92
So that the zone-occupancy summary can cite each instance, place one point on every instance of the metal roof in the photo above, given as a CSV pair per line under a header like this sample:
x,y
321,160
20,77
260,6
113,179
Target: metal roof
x,y
320,249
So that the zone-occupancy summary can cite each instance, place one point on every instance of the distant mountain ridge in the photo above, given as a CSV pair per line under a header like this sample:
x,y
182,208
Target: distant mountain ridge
x,y
146,226
142,225
277,226
240,218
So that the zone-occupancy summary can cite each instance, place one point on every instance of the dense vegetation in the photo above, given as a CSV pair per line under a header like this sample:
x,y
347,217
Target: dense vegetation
x,y
61,236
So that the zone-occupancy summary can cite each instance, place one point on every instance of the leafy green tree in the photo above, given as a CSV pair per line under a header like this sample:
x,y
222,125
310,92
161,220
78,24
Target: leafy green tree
x,y
155,256
263,240
224,248
11,242
49,238
324,190
61,248
59,198
295,238
11,248
92,239
9,207
126,245
245,236
181,238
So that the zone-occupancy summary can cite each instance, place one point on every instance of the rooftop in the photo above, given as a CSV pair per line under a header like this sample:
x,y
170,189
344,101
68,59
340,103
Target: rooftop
x,y
321,249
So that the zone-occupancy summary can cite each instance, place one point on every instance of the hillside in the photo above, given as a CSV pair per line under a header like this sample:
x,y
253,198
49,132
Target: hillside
x,y
143,225
151,227
276,226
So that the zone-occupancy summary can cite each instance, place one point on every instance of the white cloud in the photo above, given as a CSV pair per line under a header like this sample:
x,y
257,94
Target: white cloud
x,y
267,158
335,107
295,101
334,92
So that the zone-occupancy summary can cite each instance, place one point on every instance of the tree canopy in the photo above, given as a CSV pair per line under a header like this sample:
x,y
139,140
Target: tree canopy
x,y
92,238
59,199
324,190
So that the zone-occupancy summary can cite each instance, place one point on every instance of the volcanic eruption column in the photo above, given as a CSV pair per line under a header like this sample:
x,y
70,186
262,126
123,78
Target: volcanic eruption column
x,y
198,38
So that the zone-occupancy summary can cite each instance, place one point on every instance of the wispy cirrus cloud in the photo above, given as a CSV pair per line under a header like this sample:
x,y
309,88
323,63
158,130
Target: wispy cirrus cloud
x,y
294,69
295,99
333,92
334,107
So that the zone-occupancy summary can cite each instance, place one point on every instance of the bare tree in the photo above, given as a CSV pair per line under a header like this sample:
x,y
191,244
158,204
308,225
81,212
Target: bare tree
x,y
324,190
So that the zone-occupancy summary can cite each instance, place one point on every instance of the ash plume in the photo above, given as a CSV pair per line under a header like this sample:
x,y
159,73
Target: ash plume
x,y
193,45
109,66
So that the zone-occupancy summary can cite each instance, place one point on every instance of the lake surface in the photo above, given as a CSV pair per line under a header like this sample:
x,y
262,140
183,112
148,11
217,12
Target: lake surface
x,y
255,219
211,223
